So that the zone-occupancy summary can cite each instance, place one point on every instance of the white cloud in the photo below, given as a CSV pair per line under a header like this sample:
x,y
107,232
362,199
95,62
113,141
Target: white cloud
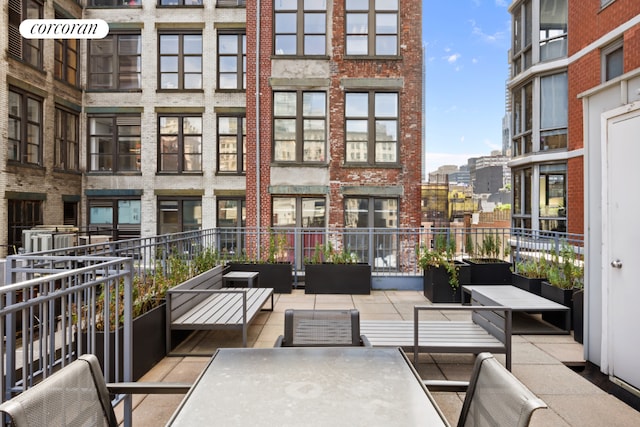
x,y
487,38
451,59
492,145
474,61
502,3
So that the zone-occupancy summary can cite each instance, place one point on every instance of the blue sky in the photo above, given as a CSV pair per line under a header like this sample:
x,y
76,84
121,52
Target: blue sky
x,y
466,44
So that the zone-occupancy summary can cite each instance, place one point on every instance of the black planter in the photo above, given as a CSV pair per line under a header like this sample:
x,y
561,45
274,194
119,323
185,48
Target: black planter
x,y
149,343
337,279
561,296
529,284
437,287
277,276
489,271
578,315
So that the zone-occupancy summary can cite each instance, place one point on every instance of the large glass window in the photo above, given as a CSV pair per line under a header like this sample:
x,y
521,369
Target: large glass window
x,y
553,29
522,180
25,127
66,139
115,62
180,62
553,197
232,219
308,212
115,3
372,27
66,60
180,2
523,119
22,215
612,61
27,50
232,61
299,126
114,143
180,144
554,98
300,27
371,120
120,216
522,31
367,213
232,144
177,214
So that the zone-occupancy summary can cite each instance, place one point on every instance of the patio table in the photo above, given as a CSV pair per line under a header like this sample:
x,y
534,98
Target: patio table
x,y
233,277
328,386
519,300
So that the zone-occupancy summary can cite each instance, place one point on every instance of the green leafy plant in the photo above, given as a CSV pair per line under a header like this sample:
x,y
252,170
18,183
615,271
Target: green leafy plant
x,y
442,254
533,268
566,271
149,289
328,254
490,246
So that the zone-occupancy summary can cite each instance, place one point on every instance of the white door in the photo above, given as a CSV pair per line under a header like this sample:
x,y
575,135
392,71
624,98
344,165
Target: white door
x,y
621,252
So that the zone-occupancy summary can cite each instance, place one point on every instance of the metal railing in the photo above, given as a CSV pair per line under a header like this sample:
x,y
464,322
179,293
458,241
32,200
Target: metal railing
x,y
390,252
51,310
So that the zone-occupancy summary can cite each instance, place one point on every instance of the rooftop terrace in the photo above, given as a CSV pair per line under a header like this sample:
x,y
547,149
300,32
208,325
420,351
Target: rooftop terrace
x,y
540,361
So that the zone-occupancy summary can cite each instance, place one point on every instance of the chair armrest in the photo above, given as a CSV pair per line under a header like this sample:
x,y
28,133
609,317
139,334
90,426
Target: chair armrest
x,y
278,342
446,385
365,341
148,388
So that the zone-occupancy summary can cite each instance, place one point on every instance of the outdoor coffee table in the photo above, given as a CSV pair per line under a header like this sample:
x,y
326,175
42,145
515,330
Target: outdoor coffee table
x,y
328,386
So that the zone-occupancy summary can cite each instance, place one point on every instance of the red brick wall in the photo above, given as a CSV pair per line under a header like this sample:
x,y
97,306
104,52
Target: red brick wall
x,y
587,23
408,67
266,47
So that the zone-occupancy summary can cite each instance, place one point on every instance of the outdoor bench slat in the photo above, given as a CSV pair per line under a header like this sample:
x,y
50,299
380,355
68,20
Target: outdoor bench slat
x,y
487,330
201,303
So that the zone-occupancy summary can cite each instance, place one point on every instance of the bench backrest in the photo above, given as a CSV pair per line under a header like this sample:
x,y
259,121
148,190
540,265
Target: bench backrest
x,y
76,395
180,303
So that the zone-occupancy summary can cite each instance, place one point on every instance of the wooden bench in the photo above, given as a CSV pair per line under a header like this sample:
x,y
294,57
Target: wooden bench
x,y
201,303
488,330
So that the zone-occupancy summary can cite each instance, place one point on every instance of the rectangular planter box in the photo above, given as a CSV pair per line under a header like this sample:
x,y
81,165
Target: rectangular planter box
x,y
149,343
277,276
578,315
436,284
489,271
561,296
337,279
527,283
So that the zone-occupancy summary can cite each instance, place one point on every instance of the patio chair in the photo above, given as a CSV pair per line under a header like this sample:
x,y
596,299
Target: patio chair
x,y
496,398
321,328
76,395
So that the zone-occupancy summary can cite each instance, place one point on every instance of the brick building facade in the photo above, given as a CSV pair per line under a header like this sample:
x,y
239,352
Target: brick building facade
x,y
197,114
560,49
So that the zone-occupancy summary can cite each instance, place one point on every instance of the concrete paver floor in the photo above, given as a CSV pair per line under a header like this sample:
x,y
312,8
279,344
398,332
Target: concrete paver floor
x,y
538,361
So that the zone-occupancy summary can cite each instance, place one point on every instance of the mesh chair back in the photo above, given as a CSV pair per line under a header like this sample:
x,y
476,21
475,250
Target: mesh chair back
x,y
71,397
306,328
496,398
